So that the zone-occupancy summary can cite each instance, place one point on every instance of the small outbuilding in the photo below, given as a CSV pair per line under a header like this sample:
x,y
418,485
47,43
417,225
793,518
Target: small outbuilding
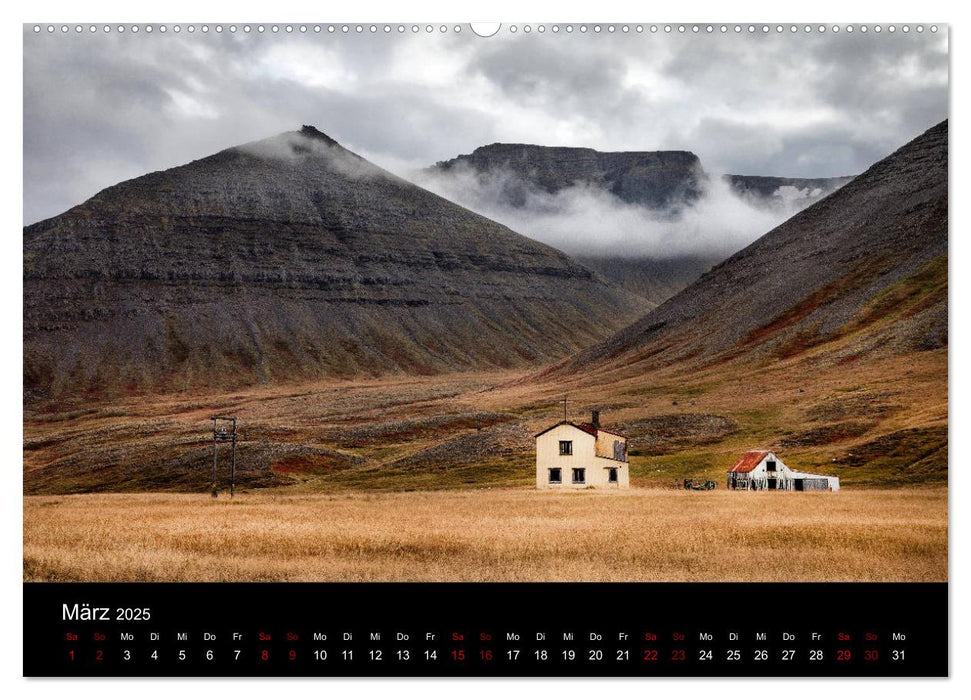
x,y
581,455
759,470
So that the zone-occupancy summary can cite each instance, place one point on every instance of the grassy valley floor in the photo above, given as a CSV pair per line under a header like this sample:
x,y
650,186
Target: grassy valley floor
x,y
430,478
490,535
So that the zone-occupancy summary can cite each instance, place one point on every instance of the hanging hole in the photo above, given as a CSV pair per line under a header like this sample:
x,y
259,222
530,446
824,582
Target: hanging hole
x,y
485,29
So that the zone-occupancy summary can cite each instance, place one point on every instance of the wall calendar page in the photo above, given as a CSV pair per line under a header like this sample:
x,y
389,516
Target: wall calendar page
x,y
485,350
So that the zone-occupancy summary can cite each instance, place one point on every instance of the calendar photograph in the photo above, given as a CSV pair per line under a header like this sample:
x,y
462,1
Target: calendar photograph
x,y
449,303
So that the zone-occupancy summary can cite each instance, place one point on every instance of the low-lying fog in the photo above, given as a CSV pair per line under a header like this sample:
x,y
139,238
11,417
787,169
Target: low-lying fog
x,y
588,220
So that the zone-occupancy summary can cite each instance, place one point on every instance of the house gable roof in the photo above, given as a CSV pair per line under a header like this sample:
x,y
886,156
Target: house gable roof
x,y
749,461
585,427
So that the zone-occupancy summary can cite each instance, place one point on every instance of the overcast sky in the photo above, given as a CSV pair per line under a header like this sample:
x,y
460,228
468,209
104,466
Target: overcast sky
x,y
101,108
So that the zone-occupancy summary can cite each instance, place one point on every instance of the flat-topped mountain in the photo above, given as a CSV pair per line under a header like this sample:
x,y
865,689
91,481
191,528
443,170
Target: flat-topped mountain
x,y
862,272
656,179
537,189
286,259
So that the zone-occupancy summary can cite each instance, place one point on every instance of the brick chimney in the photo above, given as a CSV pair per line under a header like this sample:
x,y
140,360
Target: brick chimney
x,y
595,420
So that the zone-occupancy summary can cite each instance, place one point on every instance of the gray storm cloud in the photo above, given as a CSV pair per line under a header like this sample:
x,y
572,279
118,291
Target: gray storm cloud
x,y
102,108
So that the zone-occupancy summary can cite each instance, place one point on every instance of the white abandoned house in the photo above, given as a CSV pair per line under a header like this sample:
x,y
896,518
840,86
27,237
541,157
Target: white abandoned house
x,y
764,471
581,455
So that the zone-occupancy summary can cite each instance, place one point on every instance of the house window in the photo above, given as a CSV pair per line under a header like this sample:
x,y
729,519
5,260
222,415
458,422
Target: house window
x,y
579,476
770,466
612,475
566,447
556,476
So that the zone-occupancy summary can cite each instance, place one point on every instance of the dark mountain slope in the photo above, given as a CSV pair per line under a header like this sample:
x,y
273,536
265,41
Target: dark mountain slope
x,y
287,259
866,265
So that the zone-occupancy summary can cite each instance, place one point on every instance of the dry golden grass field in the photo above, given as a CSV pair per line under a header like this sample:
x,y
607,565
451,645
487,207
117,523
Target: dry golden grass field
x,y
431,478
503,534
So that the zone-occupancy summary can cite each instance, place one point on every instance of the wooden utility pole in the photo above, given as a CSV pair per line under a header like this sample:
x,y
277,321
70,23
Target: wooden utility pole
x,y
215,493
221,434
232,471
